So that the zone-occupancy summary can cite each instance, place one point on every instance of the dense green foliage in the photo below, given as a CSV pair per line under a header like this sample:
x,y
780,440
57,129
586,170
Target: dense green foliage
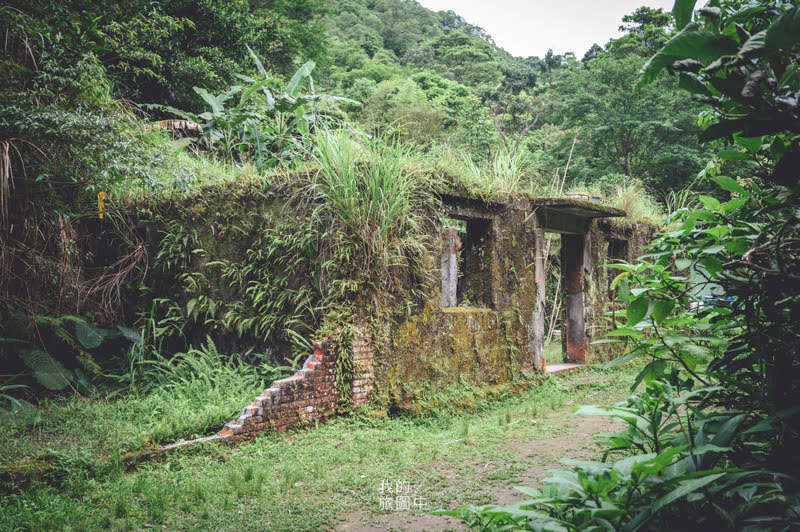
x,y
712,309
233,87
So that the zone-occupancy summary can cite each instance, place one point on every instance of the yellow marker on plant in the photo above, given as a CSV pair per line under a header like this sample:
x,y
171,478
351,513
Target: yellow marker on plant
x,y
101,206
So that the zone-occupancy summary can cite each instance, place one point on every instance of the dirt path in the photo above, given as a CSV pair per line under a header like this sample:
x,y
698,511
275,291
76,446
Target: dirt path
x,y
490,470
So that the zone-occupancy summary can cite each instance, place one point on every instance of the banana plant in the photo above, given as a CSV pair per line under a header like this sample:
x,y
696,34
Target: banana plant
x,y
268,125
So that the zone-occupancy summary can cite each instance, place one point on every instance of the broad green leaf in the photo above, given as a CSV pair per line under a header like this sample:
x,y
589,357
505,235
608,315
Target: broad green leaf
x,y
732,205
607,341
713,250
653,67
695,350
789,76
88,335
302,73
730,184
777,147
130,334
333,99
690,83
738,245
755,45
753,145
620,360
657,464
712,264
259,65
720,230
83,383
530,492
784,32
214,103
691,42
682,263
624,292
699,44
662,309
257,137
712,204
637,310
655,370
49,372
727,430
682,11
190,306
249,92
684,489
642,374
732,155
675,339
624,331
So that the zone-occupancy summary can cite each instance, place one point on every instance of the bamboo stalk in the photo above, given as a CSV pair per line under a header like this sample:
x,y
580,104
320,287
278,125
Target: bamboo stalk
x,y
566,169
556,310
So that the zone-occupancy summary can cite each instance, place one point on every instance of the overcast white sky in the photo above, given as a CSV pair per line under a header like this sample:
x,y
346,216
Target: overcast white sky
x,y
526,28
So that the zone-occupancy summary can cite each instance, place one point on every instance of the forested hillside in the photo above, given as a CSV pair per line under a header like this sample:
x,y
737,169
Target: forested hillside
x,y
443,81
432,78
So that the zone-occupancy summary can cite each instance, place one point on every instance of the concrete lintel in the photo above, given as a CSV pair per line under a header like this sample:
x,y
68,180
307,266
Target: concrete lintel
x,y
470,208
566,223
576,207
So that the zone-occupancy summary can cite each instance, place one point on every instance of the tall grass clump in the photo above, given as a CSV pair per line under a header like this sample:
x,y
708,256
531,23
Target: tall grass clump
x,y
196,392
505,173
633,197
684,198
188,395
375,208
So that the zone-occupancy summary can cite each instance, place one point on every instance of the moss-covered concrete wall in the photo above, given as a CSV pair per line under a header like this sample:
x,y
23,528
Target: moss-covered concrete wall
x,y
490,344
232,242
222,264
609,239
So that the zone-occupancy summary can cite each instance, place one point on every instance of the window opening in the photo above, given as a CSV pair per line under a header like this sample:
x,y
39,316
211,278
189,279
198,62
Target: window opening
x,y
467,263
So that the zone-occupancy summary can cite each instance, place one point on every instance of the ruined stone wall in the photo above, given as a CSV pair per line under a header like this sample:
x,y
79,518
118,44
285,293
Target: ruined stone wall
x,y
440,347
608,238
311,395
434,346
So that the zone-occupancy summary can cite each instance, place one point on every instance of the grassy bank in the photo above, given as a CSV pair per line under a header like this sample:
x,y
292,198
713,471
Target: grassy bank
x,y
307,480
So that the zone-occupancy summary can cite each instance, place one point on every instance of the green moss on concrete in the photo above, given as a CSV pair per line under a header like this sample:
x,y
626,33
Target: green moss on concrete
x,y
468,345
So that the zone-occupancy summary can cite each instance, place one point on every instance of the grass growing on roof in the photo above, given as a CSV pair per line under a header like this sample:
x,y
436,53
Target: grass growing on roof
x,y
375,209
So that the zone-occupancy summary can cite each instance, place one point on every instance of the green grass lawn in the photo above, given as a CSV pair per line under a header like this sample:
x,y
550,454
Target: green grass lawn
x,y
553,352
304,480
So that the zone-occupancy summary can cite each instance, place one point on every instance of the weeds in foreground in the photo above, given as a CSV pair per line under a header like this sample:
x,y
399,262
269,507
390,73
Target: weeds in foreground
x,y
302,480
189,396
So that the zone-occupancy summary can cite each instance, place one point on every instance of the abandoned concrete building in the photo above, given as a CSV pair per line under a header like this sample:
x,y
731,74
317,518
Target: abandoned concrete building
x,y
488,321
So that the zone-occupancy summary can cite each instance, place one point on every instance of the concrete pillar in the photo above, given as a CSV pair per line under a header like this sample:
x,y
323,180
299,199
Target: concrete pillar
x,y
537,330
452,243
572,248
